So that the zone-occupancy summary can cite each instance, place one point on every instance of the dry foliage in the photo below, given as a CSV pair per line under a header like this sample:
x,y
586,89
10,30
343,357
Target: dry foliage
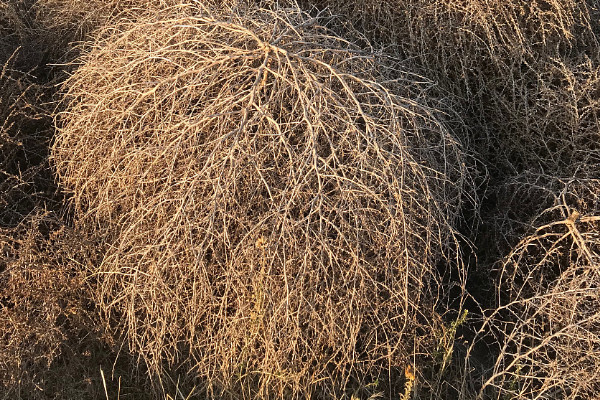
x,y
556,126
44,311
20,30
25,181
273,205
25,121
13,29
74,20
52,345
547,321
486,28
48,342
513,63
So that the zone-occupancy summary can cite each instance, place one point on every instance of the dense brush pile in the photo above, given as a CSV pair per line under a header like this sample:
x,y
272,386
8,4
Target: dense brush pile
x,y
273,212
262,204
25,120
25,181
43,307
74,20
548,295
48,342
517,66
527,74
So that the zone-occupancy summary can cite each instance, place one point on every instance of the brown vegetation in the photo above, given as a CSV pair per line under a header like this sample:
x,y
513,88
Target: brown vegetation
x,y
49,346
74,20
25,181
261,205
547,320
43,303
273,213
509,62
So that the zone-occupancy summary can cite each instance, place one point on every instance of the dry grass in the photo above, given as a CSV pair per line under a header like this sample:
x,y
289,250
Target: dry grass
x,y
273,205
547,320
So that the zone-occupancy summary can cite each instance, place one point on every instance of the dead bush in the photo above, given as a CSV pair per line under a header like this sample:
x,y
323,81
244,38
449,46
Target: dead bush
x,y
75,20
274,206
25,129
475,27
547,320
19,31
551,122
26,124
513,63
13,29
44,308
48,337
52,344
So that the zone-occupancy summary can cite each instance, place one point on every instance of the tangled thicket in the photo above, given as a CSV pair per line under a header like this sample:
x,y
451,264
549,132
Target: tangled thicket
x,y
74,20
267,209
72,23
52,344
507,60
25,181
273,213
43,302
444,33
25,121
547,320
49,342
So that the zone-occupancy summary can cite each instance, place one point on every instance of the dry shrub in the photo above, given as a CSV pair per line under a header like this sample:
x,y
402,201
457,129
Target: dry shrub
x,y
273,212
19,30
25,128
44,311
438,30
52,345
25,121
47,340
13,29
502,58
552,123
547,320
74,20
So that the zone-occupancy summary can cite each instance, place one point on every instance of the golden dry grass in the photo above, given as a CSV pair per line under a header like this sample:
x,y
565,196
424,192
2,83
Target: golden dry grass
x,y
273,212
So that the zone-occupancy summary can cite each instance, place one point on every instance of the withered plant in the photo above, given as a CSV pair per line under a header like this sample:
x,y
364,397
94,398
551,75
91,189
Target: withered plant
x,y
277,211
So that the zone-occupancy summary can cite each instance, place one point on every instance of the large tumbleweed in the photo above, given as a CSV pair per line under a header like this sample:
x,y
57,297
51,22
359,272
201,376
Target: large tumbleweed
x,y
275,209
